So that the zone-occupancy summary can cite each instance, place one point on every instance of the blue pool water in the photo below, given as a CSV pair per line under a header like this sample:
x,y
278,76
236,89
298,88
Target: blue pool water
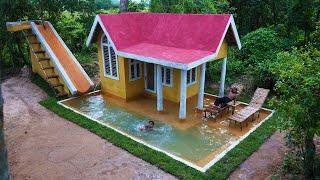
x,y
192,144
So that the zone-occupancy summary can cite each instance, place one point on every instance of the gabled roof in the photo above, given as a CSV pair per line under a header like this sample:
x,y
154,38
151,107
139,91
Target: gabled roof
x,y
181,41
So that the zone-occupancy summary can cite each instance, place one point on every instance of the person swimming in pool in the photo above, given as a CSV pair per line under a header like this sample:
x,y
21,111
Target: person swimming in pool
x,y
147,127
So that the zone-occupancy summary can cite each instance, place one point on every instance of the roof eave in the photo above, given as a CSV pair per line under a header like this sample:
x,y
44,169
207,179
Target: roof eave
x,y
97,21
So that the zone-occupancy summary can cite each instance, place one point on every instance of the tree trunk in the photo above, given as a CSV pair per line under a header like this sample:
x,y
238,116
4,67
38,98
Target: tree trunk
x,y
123,6
309,156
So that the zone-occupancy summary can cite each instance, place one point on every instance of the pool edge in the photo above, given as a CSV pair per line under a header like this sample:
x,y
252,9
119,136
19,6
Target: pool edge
x,y
201,169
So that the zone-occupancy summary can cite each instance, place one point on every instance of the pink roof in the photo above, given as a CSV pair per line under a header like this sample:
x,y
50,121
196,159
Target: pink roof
x,y
179,38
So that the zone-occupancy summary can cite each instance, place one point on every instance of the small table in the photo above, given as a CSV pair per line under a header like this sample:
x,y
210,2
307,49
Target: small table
x,y
233,105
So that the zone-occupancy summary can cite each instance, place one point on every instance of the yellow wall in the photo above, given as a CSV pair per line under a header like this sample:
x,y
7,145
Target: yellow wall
x,y
108,85
123,87
127,89
133,88
223,50
173,93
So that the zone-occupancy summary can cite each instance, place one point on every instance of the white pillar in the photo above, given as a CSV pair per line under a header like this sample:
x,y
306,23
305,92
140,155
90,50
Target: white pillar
x,y
223,76
201,85
183,95
159,90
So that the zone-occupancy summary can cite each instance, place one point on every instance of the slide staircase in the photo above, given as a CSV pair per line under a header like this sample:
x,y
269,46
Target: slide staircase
x,y
52,59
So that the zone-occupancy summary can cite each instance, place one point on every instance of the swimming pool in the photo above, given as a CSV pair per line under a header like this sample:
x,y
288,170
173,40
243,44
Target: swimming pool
x,y
196,146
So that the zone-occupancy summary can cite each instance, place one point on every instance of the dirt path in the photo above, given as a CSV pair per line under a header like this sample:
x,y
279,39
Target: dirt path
x,y
42,145
265,162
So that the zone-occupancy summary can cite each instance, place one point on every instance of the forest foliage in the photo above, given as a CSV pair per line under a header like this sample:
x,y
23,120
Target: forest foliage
x,y
280,51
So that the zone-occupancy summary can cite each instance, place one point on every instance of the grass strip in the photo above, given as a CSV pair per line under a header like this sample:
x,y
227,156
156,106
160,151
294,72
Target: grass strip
x,y
221,170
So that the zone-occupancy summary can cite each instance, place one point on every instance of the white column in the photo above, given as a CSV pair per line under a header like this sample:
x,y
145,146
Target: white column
x,y
201,85
159,89
183,95
223,76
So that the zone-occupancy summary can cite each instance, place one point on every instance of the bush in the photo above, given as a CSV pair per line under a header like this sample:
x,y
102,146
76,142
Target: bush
x,y
291,165
71,30
259,50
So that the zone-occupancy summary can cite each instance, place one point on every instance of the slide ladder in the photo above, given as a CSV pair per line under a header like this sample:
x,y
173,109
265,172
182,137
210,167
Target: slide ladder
x,y
43,60
52,59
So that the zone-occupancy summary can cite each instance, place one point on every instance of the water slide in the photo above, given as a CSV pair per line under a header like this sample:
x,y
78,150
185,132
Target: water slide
x,y
46,44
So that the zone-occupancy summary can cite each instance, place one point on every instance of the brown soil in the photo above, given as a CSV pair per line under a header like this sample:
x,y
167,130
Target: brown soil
x,y
42,145
265,162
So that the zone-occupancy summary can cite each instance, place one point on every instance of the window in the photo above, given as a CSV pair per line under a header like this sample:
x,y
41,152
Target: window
x,y
134,70
191,76
110,61
166,74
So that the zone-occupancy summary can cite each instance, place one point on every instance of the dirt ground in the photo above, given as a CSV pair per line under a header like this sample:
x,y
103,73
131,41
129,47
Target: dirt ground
x,y
265,162
42,145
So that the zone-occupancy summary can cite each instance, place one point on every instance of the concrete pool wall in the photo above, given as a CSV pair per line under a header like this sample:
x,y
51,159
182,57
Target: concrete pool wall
x,y
205,165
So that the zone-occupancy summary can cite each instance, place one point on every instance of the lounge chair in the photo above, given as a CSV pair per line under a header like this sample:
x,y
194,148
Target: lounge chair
x,y
254,106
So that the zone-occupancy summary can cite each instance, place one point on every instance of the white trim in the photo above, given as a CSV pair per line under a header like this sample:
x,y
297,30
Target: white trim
x,y
159,89
183,95
71,55
214,55
135,63
110,59
153,60
223,76
201,85
190,78
97,20
164,83
164,62
145,78
55,60
235,31
201,169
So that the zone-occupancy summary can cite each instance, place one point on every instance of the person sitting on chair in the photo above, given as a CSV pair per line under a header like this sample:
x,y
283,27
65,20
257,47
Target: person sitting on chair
x,y
223,101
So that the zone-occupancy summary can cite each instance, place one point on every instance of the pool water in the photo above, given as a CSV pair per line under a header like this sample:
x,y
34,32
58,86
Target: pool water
x,y
192,144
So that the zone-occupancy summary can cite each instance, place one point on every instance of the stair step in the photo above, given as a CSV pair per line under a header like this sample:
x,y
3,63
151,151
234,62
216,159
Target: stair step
x,y
35,42
62,94
43,59
49,67
52,76
57,85
38,52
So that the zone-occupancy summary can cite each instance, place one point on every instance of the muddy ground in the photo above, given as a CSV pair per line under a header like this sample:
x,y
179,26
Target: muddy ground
x,y
42,145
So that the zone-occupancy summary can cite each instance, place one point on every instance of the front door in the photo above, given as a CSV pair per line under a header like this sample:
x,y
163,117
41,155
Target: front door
x,y
150,78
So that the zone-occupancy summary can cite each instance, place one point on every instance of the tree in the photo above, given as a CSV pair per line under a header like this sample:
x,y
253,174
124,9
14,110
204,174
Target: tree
x,y
303,15
190,6
298,102
259,50
123,6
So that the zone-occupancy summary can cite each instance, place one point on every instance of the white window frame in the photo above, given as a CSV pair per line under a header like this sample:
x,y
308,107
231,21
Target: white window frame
x,y
108,44
190,76
135,63
164,79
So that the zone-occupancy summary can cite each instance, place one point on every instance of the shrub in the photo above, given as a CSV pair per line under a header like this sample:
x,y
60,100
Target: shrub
x,y
291,165
71,30
259,50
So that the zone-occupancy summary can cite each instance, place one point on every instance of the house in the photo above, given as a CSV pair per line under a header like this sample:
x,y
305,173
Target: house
x,y
163,55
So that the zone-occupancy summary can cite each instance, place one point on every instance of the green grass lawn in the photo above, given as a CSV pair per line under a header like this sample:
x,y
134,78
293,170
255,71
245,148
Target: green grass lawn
x,y
221,170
